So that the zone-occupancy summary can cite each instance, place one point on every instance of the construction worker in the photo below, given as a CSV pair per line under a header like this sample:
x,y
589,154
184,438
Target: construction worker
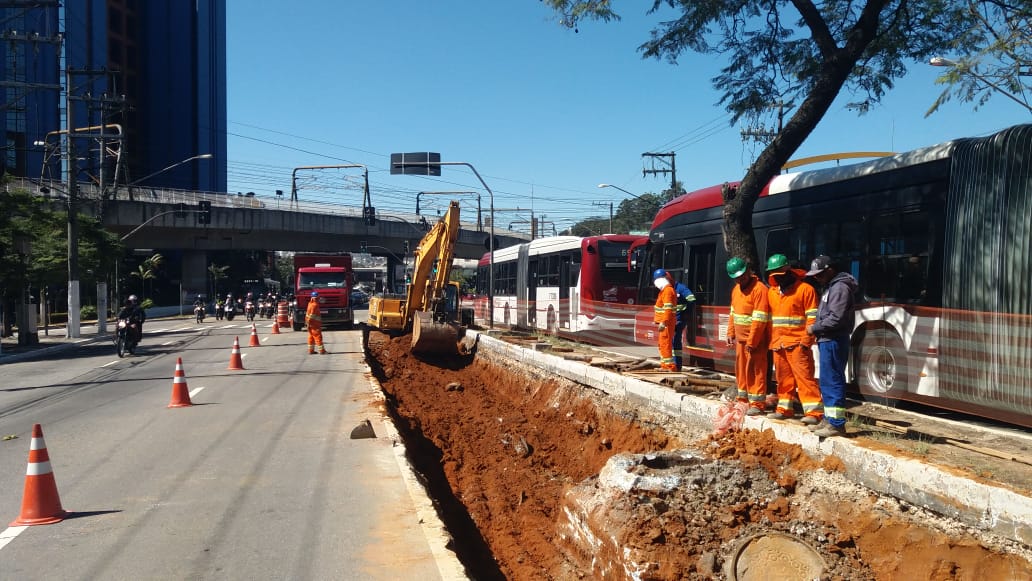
x,y
313,318
748,330
665,318
793,308
685,298
833,325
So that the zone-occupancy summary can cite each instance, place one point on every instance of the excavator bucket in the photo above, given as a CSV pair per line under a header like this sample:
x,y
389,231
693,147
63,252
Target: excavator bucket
x,y
429,336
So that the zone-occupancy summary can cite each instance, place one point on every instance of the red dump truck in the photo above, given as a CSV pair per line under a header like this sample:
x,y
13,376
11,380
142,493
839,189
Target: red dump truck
x,y
332,276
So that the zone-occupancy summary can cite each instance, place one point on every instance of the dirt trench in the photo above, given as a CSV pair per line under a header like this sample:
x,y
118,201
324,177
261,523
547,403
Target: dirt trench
x,y
521,466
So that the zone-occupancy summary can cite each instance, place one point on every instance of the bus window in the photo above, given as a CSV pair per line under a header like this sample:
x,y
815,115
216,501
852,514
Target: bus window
x,y
791,242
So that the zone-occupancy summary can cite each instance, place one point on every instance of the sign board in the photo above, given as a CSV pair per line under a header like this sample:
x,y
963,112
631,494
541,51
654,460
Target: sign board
x,y
415,163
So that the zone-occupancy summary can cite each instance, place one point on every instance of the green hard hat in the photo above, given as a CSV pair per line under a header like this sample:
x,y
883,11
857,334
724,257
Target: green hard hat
x,y
777,261
735,267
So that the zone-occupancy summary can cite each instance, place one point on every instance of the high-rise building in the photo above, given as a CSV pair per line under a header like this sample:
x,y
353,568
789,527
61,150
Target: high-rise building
x,y
146,80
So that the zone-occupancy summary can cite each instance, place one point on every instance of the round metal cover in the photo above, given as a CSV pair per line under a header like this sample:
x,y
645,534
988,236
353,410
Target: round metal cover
x,y
775,557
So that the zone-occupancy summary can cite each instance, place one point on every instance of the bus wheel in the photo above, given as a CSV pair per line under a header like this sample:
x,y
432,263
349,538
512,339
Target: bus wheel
x,y
882,365
553,322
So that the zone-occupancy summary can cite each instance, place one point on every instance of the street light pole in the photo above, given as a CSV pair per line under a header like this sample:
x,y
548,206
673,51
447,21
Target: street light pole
x,y
619,188
939,61
163,170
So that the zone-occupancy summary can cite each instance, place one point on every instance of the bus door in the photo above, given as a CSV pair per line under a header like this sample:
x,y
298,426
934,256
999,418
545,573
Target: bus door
x,y
565,282
531,299
699,278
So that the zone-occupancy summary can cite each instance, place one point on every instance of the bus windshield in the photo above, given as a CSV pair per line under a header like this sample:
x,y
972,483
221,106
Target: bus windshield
x,y
613,262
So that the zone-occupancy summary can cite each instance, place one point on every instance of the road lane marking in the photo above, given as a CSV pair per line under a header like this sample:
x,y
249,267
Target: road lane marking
x,y
167,343
9,534
196,391
111,363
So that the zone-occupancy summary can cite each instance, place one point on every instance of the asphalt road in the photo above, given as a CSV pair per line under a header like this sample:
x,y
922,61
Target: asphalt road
x,y
258,480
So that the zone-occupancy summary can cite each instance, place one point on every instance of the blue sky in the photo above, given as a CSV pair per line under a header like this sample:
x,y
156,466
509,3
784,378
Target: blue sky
x,y
544,114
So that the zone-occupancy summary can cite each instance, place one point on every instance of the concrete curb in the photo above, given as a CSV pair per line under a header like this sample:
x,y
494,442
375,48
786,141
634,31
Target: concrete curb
x,y
978,504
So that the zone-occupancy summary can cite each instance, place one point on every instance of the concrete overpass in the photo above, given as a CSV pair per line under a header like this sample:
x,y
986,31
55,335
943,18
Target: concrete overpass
x,y
150,218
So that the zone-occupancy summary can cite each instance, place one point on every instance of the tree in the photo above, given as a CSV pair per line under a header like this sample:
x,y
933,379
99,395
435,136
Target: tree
x,y
793,51
217,273
148,270
1002,65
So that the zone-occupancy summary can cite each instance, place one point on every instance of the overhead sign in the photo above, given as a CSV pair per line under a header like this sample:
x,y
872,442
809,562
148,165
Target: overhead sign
x,y
416,163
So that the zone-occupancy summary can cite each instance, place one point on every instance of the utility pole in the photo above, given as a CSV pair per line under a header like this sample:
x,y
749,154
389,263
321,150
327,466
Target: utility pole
x,y
604,204
72,328
760,132
672,170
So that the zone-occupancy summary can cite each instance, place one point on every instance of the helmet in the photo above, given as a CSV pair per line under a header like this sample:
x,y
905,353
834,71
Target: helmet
x,y
229,295
132,298
777,262
315,293
658,273
198,297
736,267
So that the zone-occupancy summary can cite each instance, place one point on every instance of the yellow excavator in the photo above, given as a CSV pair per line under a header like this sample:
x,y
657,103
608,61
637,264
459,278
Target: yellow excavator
x,y
431,304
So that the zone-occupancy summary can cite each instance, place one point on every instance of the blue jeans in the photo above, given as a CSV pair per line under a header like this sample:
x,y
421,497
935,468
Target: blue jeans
x,y
833,355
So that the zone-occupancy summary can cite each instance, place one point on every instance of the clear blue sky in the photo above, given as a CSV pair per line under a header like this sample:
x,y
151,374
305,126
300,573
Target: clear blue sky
x,y
543,113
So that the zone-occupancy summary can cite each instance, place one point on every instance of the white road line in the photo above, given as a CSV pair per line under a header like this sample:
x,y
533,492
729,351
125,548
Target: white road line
x,y
111,363
196,391
9,534
227,327
167,343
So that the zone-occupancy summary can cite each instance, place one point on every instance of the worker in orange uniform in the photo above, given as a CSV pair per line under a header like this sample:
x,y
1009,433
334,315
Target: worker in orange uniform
x,y
313,318
793,308
748,330
666,319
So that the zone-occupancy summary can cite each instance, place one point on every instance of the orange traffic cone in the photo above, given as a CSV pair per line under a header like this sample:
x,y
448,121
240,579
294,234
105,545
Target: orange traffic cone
x,y
254,337
180,391
235,361
275,328
40,502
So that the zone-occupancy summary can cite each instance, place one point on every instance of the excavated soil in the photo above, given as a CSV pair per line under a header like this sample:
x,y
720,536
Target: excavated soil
x,y
509,456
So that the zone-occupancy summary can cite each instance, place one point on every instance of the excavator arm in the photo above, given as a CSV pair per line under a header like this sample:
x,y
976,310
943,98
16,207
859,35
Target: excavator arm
x,y
433,264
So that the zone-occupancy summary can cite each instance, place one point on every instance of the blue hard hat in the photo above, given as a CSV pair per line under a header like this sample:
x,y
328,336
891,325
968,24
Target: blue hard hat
x,y
315,294
658,273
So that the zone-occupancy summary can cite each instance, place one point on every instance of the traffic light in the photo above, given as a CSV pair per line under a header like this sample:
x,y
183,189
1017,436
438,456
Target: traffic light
x,y
363,246
405,246
204,212
369,214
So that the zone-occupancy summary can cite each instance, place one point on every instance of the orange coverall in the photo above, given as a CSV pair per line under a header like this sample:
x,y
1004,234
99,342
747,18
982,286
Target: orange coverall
x,y
313,318
791,312
665,315
748,329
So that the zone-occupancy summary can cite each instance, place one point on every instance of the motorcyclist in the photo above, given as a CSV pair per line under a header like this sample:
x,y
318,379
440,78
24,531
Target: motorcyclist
x,y
230,306
132,312
198,303
220,308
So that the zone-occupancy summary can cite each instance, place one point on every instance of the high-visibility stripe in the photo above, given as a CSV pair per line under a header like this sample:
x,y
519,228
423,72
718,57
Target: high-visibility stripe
x,y
835,413
761,316
38,469
788,321
37,444
743,319
811,313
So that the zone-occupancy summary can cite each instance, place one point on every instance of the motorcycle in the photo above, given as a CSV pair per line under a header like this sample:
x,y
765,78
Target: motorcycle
x,y
249,311
220,312
230,311
125,337
199,313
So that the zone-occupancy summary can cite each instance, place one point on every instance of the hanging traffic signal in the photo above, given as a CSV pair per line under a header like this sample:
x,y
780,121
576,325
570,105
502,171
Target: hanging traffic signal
x,y
405,246
204,212
369,214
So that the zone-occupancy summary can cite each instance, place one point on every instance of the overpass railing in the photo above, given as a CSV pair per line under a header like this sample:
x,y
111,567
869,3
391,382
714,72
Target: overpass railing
x,y
90,192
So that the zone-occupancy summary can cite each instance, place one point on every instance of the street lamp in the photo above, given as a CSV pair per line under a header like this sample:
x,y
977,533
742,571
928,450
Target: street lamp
x,y
163,170
619,188
939,61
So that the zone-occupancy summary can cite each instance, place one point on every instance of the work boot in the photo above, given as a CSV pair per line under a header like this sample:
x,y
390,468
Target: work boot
x,y
810,420
829,430
311,351
778,416
818,426
754,411
323,352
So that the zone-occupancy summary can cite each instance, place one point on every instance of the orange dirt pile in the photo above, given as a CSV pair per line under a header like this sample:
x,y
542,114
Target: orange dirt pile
x,y
500,449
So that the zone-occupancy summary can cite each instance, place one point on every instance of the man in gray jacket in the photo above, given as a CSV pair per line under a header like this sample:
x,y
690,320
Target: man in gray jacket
x,y
832,328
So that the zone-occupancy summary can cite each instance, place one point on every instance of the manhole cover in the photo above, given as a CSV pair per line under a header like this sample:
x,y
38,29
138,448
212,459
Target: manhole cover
x,y
774,556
